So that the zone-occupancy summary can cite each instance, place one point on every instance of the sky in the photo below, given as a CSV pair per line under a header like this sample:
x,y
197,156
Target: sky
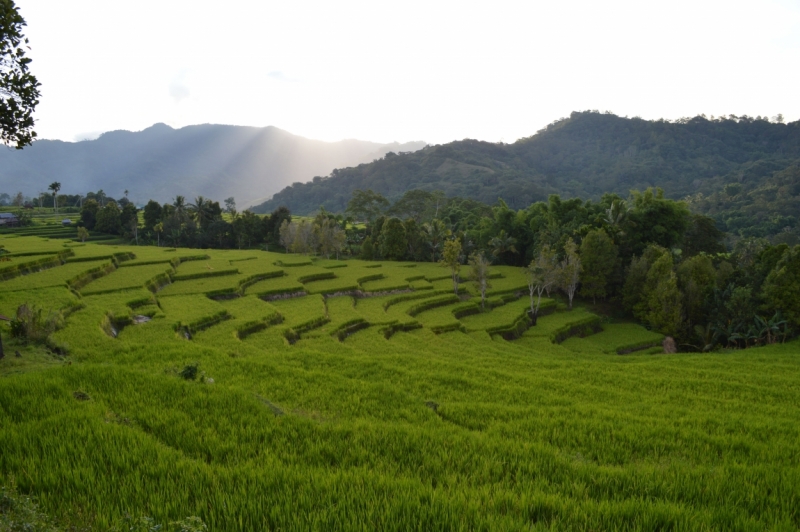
x,y
401,71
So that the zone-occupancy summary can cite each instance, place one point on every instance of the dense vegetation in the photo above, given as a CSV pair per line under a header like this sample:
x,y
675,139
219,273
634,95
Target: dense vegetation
x,y
733,167
377,400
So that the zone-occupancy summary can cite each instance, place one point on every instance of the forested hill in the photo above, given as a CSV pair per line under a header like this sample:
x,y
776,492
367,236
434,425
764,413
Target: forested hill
x,y
215,161
585,155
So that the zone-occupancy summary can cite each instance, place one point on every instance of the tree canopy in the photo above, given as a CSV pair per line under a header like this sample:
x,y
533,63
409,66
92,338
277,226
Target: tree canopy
x,y
19,89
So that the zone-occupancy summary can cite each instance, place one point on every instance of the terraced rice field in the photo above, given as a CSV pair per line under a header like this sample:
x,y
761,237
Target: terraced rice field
x,y
350,395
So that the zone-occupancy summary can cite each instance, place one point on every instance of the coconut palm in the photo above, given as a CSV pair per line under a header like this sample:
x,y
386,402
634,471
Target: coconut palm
x,y
55,186
503,243
436,232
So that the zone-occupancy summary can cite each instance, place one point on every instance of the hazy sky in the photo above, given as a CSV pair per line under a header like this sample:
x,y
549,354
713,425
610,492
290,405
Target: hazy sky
x,y
384,71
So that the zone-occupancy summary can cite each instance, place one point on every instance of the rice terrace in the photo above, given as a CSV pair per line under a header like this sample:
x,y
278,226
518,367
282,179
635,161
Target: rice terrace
x,y
493,267
266,391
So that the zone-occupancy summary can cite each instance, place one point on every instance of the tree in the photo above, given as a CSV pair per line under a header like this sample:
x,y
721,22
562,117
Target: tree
x,y
503,244
654,219
569,271
89,214
18,200
366,205
158,229
132,223
330,237
451,258
274,222
598,259
19,89
83,234
416,204
540,274
286,234
153,213
664,300
696,279
367,251
393,241
108,219
479,274
128,214
633,292
205,211
436,231
230,206
179,207
55,186
702,235
782,286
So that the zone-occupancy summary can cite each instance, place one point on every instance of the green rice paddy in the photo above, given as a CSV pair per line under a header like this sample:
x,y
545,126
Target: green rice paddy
x,y
367,396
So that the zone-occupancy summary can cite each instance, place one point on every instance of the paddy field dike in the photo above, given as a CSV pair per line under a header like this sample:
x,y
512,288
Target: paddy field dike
x,y
264,391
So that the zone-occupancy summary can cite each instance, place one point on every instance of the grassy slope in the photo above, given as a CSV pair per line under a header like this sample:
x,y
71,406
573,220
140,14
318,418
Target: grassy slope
x,y
332,435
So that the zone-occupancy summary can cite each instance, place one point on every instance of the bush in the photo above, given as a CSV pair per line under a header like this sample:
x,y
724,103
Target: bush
x,y
189,372
32,325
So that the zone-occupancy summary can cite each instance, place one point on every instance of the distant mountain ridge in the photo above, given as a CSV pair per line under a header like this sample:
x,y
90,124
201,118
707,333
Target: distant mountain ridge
x,y
584,155
216,161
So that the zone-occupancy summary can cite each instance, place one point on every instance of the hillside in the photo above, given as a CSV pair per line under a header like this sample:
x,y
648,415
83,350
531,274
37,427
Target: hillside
x,y
584,155
184,382
160,162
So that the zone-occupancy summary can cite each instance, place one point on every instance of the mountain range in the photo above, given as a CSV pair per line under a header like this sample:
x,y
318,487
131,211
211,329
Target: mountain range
x,y
216,161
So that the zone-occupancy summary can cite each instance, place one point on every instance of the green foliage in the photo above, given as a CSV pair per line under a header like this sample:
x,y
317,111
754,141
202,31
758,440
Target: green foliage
x,y
479,274
366,204
569,270
108,219
83,234
393,241
782,286
89,213
663,300
367,252
189,372
451,259
633,294
696,278
589,154
598,255
19,89
33,324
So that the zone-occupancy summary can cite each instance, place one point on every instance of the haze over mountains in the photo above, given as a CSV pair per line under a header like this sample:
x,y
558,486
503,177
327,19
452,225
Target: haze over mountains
x,y
160,162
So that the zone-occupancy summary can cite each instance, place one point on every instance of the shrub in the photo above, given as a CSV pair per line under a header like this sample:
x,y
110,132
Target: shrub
x,y
189,372
32,325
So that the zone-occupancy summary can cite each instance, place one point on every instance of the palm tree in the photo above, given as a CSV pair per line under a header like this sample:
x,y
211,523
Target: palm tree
x,y
436,232
55,186
180,206
503,243
202,210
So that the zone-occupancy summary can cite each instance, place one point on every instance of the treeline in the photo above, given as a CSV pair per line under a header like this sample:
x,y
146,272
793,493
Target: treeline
x,y
202,224
646,254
